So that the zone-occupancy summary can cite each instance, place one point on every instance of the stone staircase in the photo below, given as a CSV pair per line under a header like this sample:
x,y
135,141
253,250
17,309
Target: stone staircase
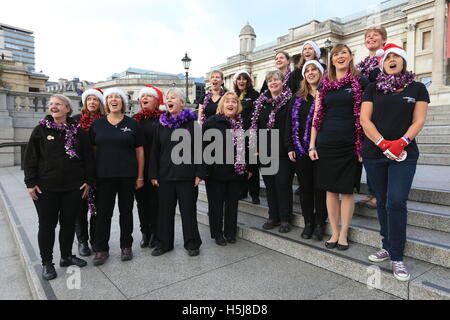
x,y
434,140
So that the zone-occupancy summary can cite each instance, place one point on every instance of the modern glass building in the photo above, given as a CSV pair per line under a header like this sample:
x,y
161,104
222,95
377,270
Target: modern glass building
x,y
20,43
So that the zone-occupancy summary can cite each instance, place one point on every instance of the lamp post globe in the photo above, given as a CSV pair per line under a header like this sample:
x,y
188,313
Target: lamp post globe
x,y
186,64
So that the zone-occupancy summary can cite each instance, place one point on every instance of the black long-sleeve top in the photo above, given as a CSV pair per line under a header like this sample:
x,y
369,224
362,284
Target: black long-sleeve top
x,y
47,165
148,127
225,172
248,107
162,167
303,113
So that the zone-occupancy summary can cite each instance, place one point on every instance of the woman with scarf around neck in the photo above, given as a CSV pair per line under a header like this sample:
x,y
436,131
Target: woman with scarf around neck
x,y
177,179
59,170
310,51
224,182
374,39
338,135
92,109
243,87
282,63
119,156
297,136
270,114
393,113
150,100
211,99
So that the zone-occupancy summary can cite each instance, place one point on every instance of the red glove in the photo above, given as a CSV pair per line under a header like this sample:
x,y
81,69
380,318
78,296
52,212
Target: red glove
x,y
383,144
396,148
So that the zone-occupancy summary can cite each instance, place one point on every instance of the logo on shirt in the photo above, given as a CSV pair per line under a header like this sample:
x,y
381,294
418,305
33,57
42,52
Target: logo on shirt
x,y
410,100
126,129
349,90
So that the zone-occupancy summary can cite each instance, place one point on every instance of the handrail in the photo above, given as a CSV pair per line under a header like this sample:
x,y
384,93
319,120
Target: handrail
x,y
13,144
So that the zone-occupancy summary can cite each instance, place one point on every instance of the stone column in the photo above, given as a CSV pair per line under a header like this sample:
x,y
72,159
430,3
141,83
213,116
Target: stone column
x,y
6,132
438,44
411,46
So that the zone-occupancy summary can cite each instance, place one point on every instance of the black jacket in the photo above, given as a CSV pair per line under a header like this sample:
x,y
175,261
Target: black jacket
x,y
162,167
47,165
223,171
302,116
248,107
148,127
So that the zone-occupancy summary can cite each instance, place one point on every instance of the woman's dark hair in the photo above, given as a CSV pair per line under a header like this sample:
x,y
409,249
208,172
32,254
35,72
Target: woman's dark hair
x,y
249,86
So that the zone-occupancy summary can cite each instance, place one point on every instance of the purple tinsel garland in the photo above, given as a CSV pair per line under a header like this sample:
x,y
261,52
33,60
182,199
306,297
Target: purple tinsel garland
x,y
92,209
206,101
389,83
368,65
237,127
327,85
301,147
279,102
175,122
70,139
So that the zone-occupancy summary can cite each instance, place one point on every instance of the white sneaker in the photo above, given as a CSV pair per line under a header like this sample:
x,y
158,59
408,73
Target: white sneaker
x,y
400,271
380,256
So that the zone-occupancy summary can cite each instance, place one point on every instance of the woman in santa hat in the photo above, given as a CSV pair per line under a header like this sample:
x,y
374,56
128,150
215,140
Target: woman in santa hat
x,y
282,63
150,100
243,87
374,39
119,154
211,99
393,114
92,109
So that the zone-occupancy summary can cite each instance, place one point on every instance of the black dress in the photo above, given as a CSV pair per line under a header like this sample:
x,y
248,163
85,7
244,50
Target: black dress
x,y
211,108
339,170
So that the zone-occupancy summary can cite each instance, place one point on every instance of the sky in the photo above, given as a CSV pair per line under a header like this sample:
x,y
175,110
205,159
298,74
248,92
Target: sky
x,y
93,39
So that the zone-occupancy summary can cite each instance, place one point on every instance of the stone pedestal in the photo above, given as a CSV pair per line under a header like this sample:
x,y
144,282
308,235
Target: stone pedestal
x,y
6,133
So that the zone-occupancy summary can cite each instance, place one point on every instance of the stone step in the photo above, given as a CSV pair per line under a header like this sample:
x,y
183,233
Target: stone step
x,y
434,159
432,140
427,282
435,131
441,148
423,244
438,109
439,116
437,122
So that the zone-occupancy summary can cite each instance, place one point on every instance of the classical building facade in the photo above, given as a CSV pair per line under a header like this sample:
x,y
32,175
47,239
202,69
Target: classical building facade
x,y
420,26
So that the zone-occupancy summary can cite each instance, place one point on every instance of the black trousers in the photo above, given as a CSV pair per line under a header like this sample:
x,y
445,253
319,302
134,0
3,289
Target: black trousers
x,y
85,230
147,204
107,189
185,194
310,197
279,192
51,207
252,186
220,194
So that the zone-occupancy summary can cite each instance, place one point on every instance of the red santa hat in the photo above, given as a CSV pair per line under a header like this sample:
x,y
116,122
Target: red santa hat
x,y
154,92
92,92
391,48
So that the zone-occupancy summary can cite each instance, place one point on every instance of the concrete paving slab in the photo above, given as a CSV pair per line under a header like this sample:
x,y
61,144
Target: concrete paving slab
x,y
353,290
13,281
7,247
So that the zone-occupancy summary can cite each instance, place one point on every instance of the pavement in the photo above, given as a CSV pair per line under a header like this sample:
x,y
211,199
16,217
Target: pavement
x,y
244,271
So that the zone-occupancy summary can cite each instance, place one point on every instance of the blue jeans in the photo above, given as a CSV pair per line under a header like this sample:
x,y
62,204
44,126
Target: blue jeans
x,y
391,182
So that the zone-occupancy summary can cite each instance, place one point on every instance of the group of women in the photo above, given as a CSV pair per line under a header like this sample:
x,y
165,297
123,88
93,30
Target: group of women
x,y
330,121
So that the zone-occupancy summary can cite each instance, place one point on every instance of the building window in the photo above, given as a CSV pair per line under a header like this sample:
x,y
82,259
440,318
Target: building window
x,y
426,80
426,40
405,45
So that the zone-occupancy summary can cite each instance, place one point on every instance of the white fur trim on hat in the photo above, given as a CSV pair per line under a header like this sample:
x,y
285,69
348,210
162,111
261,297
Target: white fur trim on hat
x,y
314,62
237,74
91,92
150,91
397,50
110,91
315,47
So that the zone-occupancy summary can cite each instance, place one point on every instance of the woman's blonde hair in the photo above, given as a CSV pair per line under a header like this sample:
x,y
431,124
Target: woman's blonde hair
x,y
332,69
233,95
66,101
305,87
101,108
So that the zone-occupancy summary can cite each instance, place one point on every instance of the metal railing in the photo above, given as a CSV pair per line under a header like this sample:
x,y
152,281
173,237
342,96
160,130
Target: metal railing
x,y
22,145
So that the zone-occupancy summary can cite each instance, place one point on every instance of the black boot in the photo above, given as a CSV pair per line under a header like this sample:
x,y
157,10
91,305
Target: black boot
x,y
48,271
72,261
308,231
319,231
145,242
152,241
83,249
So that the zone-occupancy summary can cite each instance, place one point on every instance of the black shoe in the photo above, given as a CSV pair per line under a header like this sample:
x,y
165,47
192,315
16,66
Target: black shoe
x,y
48,271
285,227
193,252
100,258
221,241
270,224
145,242
83,249
126,254
342,247
158,252
308,231
231,240
330,245
72,261
256,201
319,231
152,241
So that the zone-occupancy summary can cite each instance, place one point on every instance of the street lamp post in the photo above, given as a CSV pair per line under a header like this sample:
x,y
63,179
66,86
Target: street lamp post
x,y
328,47
186,63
